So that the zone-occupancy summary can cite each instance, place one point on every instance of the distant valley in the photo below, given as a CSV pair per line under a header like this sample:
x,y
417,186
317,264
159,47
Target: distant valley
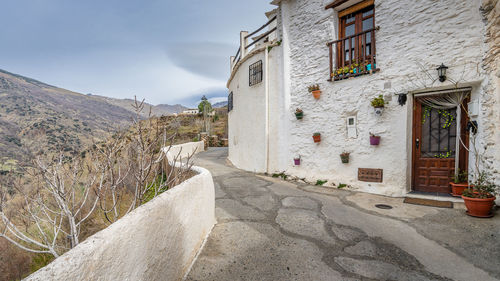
x,y
37,118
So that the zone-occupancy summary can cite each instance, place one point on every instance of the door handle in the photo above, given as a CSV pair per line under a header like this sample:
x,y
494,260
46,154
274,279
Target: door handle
x,y
417,143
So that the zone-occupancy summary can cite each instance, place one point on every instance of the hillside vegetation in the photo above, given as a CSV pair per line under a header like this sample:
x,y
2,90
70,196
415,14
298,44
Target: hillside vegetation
x,y
37,118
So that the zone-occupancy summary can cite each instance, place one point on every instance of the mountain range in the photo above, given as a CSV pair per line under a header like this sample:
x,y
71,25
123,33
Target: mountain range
x,y
37,118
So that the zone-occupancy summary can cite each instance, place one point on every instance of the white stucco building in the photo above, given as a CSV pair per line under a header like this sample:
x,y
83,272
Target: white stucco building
x,y
356,50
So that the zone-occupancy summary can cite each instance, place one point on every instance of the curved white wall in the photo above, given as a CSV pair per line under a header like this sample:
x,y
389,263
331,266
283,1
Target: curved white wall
x,y
247,120
157,241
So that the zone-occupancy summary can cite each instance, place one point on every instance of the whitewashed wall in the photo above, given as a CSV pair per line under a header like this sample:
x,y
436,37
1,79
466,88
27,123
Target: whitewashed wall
x,y
413,34
183,151
247,121
414,38
157,241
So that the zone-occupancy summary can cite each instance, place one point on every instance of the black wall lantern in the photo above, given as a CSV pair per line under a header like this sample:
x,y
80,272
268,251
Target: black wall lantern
x,y
402,99
442,72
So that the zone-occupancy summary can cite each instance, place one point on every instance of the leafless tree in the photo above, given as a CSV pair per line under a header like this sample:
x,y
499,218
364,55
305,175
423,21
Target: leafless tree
x,y
56,200
55,197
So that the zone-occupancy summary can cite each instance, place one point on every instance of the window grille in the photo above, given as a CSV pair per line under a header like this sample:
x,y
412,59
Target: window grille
x,y
230,102
255,73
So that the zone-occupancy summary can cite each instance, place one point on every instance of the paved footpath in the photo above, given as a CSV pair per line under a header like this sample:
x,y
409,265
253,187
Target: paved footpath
x,y
268,229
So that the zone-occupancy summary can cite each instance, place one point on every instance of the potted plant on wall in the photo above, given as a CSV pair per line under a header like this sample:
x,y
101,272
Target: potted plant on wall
x,y
480,198
299,113
344,157
316,92
459,183
296,161
378,104
374,139
317,137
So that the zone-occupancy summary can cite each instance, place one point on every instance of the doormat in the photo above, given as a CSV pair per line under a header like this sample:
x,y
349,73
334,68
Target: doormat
x,y
428,202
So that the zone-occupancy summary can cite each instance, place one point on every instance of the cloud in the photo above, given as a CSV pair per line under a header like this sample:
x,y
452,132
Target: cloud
x,y
207,59
213,95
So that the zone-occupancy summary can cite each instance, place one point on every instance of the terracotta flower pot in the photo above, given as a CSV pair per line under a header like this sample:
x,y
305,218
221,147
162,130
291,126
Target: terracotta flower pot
x,y
374,140
477,207
316,94
296,161
458,188
317,138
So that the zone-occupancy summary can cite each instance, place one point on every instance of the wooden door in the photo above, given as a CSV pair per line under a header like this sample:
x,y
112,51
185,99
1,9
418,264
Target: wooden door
x,y
434,132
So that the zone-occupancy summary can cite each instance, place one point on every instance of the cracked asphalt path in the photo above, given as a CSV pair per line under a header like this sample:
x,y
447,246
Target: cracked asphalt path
x,y
269,229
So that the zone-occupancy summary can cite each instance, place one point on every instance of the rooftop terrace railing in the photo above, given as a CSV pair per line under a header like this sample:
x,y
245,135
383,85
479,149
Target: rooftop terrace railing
x,y
245,47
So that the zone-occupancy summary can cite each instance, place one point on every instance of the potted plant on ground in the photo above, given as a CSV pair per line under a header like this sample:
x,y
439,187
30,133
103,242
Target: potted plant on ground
x,y
299,113
316,92
378,104
344,156
296,161
459,183
374,140
480,198
317,137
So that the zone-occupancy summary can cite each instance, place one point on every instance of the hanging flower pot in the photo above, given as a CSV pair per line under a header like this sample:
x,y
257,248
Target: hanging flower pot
x,y
379,110
316,92
296,161
317,137
299,113
344,157
374,140
378,104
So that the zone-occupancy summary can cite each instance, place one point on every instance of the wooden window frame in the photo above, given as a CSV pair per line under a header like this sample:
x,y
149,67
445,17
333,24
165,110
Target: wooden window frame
x,y
357,10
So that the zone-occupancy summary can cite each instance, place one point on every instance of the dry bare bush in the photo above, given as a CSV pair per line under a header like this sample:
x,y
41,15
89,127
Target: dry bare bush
x,y
55,198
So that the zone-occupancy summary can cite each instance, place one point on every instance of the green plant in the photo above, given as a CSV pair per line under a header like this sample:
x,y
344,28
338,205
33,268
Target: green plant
x,y
341,185
280,175
483,187
313,88
460,177
317,134
195,139
378,101
443,155
320,182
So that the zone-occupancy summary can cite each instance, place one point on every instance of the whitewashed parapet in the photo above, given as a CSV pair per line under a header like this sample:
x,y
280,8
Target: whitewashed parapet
x,y
180,152
157,241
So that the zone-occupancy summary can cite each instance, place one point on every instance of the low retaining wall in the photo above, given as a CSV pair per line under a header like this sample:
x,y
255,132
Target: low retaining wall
x,y
184,150
157,241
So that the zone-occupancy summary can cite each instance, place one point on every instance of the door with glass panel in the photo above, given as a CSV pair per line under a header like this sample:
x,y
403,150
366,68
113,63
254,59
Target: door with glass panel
x,y
434,146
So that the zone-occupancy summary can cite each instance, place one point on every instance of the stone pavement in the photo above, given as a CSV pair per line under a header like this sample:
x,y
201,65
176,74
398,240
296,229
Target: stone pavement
x,y
270,229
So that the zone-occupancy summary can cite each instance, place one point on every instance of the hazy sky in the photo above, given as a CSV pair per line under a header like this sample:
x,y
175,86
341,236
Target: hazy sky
x,y
163,50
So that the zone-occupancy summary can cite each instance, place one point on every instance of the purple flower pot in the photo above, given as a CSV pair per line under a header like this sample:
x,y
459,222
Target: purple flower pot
x,y
296,161
374,140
